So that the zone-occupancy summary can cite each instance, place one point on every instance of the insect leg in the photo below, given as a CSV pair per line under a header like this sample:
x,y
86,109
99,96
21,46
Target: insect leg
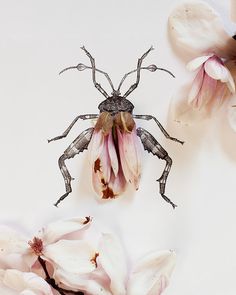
x,y
97,85
152,146
66,132
150,117
135,85
77,146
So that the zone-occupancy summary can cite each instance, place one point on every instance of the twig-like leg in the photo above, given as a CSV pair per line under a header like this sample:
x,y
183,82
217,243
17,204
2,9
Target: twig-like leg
x,y
150,117
78,145
97,85
66,132
152,146
135,85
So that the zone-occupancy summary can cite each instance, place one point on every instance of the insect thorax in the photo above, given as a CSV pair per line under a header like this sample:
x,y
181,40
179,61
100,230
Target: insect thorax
x,y
116,104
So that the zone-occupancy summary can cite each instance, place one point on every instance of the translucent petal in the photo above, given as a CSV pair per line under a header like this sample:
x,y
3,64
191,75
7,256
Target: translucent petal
x,y
74,256
151,274
56,230
196,28
112,259
22,281
197,62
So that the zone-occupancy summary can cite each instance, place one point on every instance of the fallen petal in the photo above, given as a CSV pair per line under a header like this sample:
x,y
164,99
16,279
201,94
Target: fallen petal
x,y
112,259
73,256
151,274
56,230
196,28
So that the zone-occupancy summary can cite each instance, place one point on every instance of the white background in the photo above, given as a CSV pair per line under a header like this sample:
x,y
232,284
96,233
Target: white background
x,y
37,40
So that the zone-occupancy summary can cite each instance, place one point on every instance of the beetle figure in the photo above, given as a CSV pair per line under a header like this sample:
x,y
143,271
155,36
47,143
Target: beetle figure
x,y
114,143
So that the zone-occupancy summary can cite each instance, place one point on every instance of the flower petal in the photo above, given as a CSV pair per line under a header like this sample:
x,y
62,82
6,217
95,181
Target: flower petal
x,y
84,282
113,154
197,62
196,86
112,259
196,28
21,282
151,274
95,146
56,230
74,256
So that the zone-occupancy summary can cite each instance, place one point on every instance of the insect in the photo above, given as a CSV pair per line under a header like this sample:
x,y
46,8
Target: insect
x,y
114,143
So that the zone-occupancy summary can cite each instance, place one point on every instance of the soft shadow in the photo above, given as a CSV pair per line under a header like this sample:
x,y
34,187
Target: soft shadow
x,y
227,136
186,124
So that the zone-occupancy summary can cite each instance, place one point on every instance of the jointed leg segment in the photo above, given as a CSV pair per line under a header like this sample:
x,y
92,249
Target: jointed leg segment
x,y
150,117
152,146
66,132
77,146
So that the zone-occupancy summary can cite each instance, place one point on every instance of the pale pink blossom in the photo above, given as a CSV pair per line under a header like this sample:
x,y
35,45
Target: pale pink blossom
x,y
115,154
22,252
212,83
150,275
198,34
15,282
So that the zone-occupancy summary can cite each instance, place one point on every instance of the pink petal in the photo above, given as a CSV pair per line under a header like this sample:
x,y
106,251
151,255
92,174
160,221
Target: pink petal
x,y
105,164
196,86
117,183
125,167
96,145
206,93
197,62
195,28
113,154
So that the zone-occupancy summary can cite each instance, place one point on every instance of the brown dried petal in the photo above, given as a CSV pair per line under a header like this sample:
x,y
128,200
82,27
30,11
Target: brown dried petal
x,y
124,121
104,123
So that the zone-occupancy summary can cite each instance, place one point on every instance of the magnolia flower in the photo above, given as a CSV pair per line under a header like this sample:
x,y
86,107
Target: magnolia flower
x,y
148,276
212,82
115,154
50,240
82,265
197,30
15,282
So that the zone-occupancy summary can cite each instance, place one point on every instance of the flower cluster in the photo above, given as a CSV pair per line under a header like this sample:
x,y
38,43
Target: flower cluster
x,y
198,31
63,259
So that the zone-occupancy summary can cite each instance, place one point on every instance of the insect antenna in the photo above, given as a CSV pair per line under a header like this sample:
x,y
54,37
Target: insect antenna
x,y
82,67
151,68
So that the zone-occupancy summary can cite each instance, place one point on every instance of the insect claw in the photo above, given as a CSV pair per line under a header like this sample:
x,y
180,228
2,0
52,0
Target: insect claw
x,y
168,201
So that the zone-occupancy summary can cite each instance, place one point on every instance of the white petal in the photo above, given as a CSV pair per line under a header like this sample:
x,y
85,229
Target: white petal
x,y
75,256
55,230
197,62
80,282
216,70
111,256
11,242
21,281
151,274
196,28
